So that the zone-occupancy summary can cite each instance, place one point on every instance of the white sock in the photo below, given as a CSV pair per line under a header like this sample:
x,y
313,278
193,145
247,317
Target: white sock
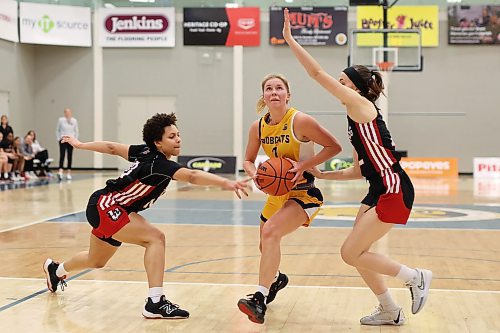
x,y
263,290
60,271
406,274
387,302
155,294
276,276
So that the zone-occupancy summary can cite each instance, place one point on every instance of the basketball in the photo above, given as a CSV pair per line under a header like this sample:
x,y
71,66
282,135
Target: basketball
x,y
273,176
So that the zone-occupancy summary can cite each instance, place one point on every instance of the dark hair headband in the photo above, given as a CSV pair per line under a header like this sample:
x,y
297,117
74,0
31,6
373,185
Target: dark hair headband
x,y
358,81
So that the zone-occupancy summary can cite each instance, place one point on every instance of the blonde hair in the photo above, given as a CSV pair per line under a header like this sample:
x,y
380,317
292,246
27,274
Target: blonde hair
x,y
261,104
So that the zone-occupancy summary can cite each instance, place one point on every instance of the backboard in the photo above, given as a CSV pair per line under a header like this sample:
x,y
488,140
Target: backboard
x,y
402,47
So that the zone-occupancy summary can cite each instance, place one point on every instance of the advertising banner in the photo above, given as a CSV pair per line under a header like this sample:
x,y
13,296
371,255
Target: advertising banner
x,y
54,24
310,25
222,26
439,187
430,167
487,167
213,164
425,18
8,20
478,24
338,164
137,27
487,188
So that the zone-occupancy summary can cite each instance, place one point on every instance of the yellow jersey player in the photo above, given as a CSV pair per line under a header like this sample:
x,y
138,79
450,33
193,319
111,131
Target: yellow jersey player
x,y
283,132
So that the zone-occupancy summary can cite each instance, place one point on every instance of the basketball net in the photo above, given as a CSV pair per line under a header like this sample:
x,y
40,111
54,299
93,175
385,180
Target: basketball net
x,y
385,68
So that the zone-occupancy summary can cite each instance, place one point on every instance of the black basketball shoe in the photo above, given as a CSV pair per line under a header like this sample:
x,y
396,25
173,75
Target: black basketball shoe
x,y
280,283
254,307
164,309
50,268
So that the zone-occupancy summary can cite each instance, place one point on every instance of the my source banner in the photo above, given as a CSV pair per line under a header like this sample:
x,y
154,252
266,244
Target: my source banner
x,y
222,26
425,18
54,24
310,25
479,24
8,20
137,27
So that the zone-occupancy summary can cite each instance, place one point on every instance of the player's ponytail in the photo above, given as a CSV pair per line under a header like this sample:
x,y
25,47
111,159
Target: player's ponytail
x,y
375,86
261,104
373,80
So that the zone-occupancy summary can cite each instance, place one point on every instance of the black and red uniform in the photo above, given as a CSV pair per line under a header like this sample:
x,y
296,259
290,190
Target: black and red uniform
x,y
135,190
391,191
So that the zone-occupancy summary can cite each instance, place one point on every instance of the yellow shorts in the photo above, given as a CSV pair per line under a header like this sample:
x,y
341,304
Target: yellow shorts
x,y
310,200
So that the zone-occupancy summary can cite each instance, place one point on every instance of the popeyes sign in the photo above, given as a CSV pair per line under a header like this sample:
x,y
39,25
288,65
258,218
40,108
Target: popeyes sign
x,y
487,167
430,167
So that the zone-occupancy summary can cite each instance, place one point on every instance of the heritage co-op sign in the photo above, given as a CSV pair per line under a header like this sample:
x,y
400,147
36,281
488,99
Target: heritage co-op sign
x,y
137,27
222,26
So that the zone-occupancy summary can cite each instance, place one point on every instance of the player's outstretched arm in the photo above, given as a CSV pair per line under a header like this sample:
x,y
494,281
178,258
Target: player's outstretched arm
x,y
198,177
105,147
314,69
350,173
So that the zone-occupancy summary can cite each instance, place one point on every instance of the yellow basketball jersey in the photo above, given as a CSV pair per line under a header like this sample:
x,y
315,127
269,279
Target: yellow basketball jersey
x,y
280,141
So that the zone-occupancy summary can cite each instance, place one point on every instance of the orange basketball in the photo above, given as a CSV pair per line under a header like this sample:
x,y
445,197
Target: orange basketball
x,y
273,176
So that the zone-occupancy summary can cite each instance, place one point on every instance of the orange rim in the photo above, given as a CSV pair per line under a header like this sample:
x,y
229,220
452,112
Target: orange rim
x,y
385,66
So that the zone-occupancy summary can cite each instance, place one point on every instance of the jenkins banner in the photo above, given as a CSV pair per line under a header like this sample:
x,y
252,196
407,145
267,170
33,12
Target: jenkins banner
x,y
137,27
425,18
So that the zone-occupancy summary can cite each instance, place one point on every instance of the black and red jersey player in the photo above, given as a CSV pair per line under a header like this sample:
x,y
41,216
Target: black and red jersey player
x,y
114,210
390,196
391,191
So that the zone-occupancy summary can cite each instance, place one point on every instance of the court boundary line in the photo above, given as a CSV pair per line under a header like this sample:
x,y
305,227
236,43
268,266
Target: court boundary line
x,y
231,284
39,292
39,221
311,227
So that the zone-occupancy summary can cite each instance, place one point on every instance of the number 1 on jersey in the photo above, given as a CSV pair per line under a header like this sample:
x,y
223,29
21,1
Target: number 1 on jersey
x,y
275,151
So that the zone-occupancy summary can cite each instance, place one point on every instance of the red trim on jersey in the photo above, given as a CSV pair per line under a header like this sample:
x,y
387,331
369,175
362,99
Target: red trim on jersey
x,y
388,151
140,193
127,197
378,148
365,144
137,181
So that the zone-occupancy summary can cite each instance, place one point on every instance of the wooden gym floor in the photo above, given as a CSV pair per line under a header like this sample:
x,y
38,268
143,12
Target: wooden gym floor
x,y
213,259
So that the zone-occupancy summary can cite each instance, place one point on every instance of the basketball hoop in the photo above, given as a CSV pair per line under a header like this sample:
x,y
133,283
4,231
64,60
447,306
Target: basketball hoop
x,y
385,66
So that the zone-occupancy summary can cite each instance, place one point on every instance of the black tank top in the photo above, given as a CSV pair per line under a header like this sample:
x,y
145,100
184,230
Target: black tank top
x,y
143,182
373,143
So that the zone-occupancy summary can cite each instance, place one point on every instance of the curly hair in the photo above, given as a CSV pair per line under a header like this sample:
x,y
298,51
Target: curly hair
x,y
155,127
